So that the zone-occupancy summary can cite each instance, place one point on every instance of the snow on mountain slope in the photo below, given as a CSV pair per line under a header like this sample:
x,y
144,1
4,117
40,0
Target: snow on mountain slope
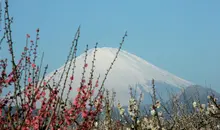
x,y
128,70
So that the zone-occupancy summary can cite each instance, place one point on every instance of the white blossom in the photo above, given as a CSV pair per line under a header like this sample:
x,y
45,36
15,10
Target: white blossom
x,y
153,112
194,104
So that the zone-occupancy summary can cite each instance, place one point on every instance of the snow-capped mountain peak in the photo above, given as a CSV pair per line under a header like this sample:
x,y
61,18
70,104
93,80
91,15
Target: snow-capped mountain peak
x,y
128,70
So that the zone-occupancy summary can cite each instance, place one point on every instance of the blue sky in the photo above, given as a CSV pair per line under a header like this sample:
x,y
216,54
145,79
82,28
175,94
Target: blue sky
x,y
182,37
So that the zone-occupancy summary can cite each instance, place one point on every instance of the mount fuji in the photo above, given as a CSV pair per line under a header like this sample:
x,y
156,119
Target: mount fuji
x,y
129,70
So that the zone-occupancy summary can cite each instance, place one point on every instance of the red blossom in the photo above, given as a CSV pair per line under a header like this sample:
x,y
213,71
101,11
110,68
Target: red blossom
x,y
83,80
71,78
84,114
9,80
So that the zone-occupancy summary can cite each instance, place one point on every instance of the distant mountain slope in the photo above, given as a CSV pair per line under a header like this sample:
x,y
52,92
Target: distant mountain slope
x,y
198,93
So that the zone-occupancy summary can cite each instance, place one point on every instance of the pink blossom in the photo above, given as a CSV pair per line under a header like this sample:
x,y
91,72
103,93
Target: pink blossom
x,y
75,102
33,65
84,114
43,93
29,80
